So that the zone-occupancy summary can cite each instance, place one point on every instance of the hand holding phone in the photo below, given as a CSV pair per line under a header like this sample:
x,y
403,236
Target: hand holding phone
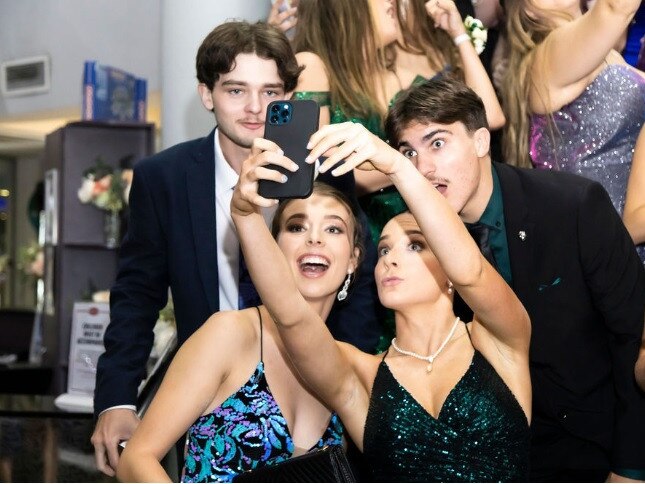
x,y
290,124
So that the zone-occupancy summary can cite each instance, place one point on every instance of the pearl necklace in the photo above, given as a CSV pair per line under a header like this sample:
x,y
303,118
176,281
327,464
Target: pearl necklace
x,y
430,358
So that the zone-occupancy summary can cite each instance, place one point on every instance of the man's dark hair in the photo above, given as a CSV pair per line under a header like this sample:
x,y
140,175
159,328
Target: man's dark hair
x,y
444,101
217,53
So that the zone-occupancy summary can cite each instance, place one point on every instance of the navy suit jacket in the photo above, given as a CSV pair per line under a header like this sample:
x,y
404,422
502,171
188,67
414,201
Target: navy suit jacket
x,y
171,242
576,271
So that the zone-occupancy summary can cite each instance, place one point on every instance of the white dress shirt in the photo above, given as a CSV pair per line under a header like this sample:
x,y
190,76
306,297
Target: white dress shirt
x,y
228,246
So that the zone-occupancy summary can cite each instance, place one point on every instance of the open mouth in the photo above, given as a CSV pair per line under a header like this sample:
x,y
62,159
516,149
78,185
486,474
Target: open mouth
x,y
313,264
441,187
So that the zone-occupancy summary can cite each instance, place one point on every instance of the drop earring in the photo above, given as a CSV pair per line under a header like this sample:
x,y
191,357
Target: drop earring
x,y
342,294
451,288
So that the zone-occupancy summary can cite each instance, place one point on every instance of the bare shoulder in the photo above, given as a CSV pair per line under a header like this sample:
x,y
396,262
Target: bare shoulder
x,y
224,333
314,77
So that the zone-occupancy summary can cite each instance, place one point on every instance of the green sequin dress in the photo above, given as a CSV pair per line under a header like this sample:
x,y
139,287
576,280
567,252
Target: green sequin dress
x,y
481,433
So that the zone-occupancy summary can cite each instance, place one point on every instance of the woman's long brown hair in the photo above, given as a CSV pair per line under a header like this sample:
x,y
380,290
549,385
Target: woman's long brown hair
x,y
343,34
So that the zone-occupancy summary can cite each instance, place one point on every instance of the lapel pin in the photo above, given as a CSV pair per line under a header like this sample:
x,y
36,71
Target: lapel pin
x,y
522,235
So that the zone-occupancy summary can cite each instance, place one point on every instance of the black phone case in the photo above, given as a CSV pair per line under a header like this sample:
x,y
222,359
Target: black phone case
x,y
292,138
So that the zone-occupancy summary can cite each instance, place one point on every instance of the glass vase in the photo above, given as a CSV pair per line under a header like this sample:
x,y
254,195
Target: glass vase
x,y
112,229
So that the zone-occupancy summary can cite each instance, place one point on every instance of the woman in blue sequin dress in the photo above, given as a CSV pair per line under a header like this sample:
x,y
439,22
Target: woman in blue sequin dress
x,y
462,412
231,385
572,101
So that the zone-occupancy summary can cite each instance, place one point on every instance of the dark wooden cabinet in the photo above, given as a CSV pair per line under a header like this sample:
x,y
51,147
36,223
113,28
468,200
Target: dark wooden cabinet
x,y
77,260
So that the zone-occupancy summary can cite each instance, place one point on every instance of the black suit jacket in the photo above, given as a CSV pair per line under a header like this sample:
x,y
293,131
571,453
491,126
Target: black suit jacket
x,y
576,271
171,242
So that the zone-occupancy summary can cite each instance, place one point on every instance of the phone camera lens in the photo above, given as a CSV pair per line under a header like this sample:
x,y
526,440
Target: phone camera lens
x,y
275,108
274,119
285,113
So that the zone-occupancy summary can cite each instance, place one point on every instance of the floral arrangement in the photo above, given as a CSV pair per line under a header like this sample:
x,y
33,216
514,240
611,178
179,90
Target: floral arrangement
x,y
477,32
105,187
31,259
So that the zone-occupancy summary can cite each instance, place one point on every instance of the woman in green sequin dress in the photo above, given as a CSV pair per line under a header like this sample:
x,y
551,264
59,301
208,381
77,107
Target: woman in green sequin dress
x,y
459,414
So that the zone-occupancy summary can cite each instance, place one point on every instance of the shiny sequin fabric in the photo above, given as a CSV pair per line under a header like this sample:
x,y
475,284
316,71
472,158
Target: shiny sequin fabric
x,y
594,135
245,432
481,433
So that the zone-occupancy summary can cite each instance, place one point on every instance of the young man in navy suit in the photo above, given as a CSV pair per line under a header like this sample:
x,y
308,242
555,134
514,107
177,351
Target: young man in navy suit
x,y
562,247
180,234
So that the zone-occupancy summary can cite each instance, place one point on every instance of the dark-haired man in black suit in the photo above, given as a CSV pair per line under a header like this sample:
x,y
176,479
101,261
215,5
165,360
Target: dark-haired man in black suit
x,y
180,234
561,246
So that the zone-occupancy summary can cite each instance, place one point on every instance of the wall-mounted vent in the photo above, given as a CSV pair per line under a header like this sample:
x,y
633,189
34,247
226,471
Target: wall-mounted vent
x,y
23,77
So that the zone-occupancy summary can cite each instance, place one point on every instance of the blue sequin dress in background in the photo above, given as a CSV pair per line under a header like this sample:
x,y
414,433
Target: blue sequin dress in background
x,y
480,435
245,432
594,135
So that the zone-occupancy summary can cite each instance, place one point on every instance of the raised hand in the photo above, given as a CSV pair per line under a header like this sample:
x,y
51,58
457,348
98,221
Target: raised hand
x,y
246,199
355,146
283,18
445,15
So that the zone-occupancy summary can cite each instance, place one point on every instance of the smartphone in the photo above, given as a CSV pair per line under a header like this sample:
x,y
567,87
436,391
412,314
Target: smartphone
x,y
290,124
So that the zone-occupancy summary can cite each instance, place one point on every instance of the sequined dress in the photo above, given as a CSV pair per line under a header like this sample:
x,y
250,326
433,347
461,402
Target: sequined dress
x,y
245,432
480,435
596,133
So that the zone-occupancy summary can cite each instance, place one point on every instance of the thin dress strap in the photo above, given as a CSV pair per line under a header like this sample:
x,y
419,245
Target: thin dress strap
x,y
261,349
385,354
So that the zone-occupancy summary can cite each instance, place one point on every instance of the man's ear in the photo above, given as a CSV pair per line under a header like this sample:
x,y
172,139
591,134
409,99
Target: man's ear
x,y
482,142
205,95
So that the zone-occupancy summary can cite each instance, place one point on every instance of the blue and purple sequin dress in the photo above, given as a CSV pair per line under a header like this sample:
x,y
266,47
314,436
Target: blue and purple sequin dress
x,y
245,432
594,135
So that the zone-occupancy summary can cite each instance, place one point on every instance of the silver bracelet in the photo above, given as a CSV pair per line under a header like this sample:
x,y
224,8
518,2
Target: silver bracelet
x,y
461,38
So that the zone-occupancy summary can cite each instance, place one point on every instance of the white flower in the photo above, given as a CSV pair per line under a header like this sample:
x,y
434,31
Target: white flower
x,y
86,190
479,35
473,23
477,32
479,46
102,200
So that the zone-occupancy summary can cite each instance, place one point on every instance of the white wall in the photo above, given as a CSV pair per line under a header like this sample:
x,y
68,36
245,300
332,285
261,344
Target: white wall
x,y
184,24
121,33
